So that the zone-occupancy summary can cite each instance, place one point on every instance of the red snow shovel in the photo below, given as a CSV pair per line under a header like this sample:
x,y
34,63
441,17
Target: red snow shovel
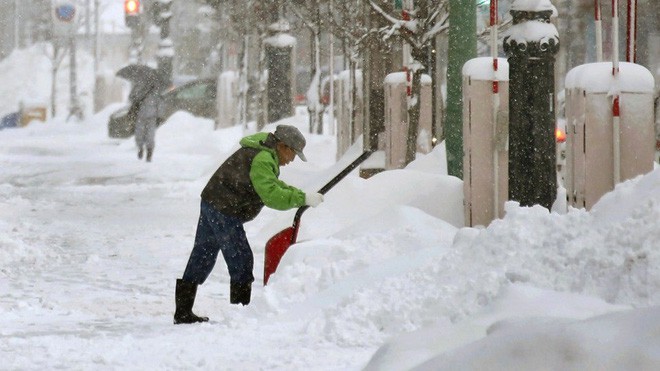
x,y
279,243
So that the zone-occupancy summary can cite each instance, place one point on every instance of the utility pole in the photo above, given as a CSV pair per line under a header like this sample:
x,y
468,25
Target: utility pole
x,y
65,24
134,20
462,47
165,46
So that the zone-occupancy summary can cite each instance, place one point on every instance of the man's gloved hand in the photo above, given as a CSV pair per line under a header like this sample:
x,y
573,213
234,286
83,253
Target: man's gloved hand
x,y
313,199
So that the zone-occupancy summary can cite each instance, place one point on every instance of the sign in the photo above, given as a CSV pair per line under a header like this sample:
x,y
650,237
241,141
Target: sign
x,y
65,12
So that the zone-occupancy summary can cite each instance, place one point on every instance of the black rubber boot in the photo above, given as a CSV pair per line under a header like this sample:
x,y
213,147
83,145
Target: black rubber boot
x,y
185,298
240,293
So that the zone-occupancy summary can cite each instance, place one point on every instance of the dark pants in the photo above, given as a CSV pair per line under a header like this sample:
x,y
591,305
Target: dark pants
x,y
219,232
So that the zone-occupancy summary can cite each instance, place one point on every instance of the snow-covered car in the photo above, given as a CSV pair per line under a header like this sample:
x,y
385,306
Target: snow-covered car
x,y
197,97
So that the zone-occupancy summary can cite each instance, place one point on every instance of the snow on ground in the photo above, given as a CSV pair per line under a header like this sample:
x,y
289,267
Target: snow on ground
x,y
384,276
92,240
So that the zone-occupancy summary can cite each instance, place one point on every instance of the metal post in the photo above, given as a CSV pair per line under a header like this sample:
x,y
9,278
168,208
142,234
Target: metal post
x,y
599,31
165,46
462,47
616,118
74,107
532,147
496,105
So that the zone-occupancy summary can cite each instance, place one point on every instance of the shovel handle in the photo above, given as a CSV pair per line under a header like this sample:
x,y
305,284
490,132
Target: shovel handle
x,y
333,182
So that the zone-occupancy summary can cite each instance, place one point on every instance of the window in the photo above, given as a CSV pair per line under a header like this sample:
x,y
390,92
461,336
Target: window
x,y
194,92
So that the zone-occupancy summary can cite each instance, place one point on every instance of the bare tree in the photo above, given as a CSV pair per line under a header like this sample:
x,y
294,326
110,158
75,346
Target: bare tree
x,y
55,51
418,28
347,24
309,13
248,21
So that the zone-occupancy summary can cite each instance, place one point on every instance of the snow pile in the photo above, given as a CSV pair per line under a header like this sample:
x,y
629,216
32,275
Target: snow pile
x,y
381,261
26,77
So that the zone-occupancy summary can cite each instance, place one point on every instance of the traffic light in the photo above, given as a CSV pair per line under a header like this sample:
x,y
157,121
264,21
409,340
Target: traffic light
x,y
132,7
132,13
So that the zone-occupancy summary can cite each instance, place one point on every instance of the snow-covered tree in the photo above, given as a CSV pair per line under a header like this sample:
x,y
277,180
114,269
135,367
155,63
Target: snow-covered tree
x,y
310,14
248,21
418,28
347,23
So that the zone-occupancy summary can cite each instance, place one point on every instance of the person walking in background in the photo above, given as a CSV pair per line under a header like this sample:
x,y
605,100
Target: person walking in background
x,y
238,190
145,103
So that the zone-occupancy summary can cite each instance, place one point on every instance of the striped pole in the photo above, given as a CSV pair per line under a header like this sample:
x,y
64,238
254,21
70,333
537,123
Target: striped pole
x,y
616,119
599,31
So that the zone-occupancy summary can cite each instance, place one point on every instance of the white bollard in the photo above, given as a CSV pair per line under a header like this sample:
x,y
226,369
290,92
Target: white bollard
x,y
598,156
485,141
347,132
396,119
226,99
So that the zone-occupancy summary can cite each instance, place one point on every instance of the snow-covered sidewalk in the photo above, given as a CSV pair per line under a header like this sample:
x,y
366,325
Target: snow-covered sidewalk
x,y
92,241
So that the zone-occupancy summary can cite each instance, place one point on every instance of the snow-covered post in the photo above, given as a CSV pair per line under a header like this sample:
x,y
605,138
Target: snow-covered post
x,y
165,46
485,161
610,132
279,63
531,48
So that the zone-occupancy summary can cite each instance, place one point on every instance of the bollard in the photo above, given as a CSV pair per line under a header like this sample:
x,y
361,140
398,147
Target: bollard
x,y
598,154
279,61
531,46
396,119
485,157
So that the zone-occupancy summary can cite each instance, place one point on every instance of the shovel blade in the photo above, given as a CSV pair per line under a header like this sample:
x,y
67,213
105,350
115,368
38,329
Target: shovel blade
x,y
275,249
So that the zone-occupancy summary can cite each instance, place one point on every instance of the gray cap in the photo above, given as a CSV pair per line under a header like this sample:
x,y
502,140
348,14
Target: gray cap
x,y
292,137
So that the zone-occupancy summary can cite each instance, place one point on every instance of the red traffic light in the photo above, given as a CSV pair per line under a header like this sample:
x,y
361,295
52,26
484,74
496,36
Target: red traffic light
x,y
560,134
132,7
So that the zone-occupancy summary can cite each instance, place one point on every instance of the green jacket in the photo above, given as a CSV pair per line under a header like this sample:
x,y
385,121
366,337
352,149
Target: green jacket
x,y
248,180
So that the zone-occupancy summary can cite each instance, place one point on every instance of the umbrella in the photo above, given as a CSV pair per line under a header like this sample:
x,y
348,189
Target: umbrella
x,y
143,78
139,74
